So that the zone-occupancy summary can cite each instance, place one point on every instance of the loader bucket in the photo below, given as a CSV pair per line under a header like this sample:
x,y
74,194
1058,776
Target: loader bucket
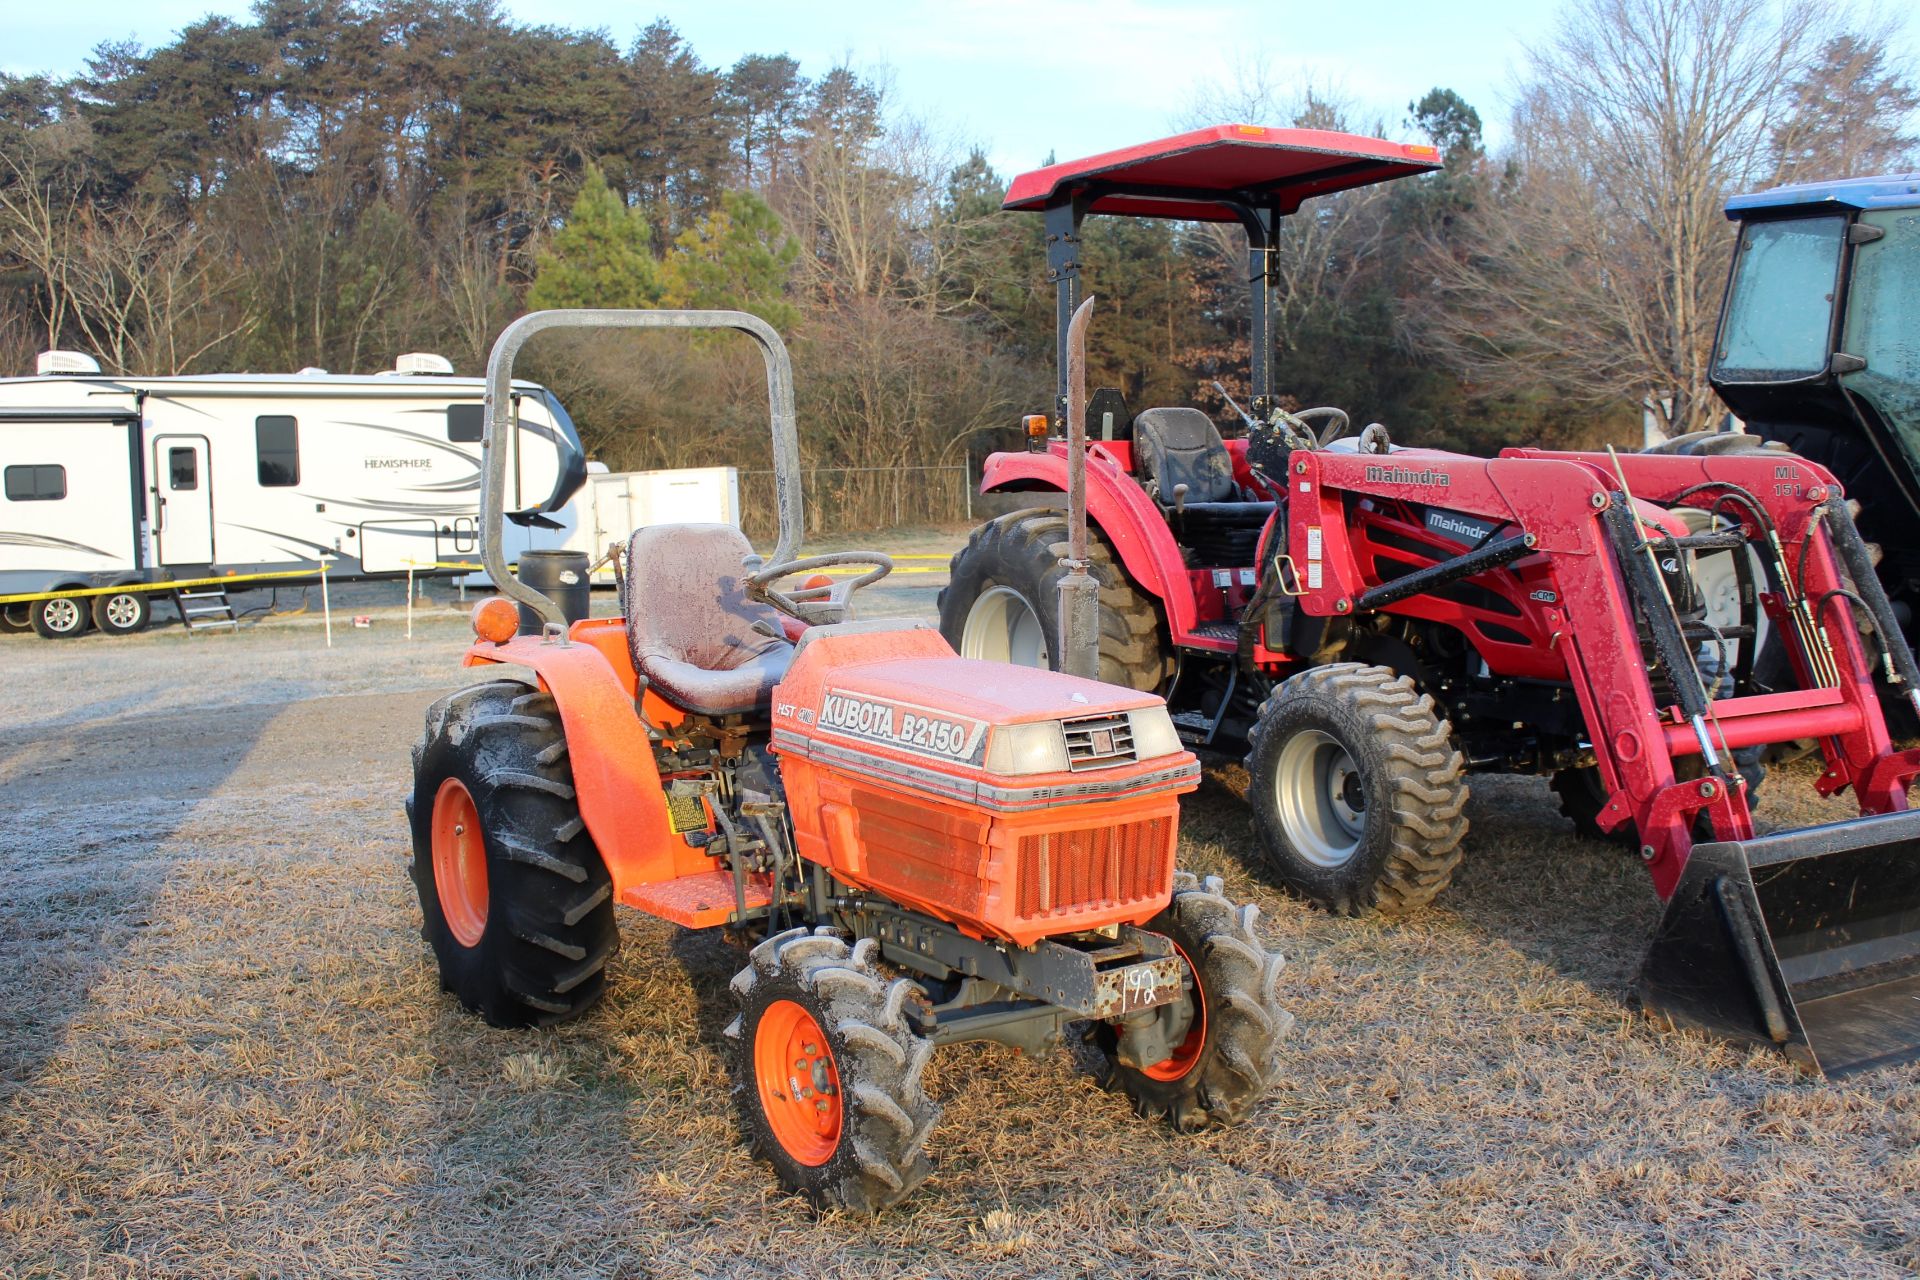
x,y
1808,939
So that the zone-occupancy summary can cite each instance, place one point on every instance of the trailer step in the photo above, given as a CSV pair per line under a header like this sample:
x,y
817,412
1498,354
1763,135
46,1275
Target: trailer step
x,y
205,609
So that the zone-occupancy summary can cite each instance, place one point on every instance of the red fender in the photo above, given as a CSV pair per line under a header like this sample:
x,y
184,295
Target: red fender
x,y
1120,509
614,779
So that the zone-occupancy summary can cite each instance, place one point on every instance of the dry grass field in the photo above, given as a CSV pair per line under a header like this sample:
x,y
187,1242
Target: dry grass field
x,y
223,1050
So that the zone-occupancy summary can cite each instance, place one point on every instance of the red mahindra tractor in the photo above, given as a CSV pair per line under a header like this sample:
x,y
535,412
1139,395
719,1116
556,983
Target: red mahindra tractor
x,y
1369,624
921,848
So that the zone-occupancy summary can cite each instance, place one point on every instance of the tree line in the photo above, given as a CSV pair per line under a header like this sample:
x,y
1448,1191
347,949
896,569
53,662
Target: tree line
x,y
332,182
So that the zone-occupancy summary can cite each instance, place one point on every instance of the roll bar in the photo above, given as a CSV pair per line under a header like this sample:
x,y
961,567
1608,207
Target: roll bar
x,y
499,401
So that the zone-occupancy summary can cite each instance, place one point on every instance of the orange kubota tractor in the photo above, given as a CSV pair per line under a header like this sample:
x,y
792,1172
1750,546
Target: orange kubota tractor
x,y
923,848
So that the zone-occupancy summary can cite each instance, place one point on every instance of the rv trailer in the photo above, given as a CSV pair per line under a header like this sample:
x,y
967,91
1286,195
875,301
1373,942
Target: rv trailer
x,y
111,481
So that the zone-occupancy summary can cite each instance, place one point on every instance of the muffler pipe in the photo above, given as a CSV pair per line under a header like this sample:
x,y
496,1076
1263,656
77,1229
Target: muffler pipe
x,y
1079,593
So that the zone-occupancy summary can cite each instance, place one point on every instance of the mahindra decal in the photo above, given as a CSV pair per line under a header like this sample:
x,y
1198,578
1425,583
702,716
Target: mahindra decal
x,y
1407,475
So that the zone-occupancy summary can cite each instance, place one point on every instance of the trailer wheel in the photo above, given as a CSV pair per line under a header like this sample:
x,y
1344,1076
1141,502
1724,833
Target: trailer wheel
x,y
515,900
61,618
999,603
1359,797
1230,1057
16,618
122,613
827,1071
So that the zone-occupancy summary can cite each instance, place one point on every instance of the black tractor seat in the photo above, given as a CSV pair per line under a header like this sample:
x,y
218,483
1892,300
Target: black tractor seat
x,y
1182,447
690,626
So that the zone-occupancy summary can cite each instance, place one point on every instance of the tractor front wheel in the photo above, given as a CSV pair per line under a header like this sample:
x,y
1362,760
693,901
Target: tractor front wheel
x,y
1359,797
516,902
827,1071
1001,601
1230,1056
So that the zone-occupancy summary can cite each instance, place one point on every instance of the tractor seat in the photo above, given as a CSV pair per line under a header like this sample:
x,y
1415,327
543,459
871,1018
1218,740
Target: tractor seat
x,y
1182,446
690,625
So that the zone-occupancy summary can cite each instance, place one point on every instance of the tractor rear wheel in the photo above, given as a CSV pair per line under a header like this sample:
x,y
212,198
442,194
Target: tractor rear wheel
x,y
1359,797
516,902
827,1071
1000,601
1230,1057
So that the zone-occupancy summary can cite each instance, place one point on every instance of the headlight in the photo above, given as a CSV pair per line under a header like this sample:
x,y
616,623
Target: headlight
x,y
1038,747
1154,734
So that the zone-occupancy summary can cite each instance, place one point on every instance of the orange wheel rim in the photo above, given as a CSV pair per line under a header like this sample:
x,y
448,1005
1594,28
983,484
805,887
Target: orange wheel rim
x,y
459,862
799,1083
1188,1053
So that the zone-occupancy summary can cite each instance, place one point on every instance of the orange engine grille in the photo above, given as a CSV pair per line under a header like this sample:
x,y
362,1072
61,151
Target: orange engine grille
x,y
1066,871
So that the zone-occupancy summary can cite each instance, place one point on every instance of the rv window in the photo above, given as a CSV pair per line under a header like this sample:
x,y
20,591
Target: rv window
x,y
466,423
183,469
278,441
36,484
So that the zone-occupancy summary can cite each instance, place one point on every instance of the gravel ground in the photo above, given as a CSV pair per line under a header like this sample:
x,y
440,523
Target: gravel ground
x,y
225,1052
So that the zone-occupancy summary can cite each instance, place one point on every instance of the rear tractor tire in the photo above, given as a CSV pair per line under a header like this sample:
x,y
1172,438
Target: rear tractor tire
x,y
827,1071
1359,797
515,899
1001,601
1230,1057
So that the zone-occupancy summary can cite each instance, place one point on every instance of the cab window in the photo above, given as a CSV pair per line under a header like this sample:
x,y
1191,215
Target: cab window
x,y
1779,321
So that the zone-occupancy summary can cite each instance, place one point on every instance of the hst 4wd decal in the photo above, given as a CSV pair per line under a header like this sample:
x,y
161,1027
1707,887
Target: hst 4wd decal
x,y
924,732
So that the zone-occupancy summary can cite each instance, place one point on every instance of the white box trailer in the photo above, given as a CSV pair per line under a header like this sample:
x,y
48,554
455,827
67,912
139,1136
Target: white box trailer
x,y
110,481
612,504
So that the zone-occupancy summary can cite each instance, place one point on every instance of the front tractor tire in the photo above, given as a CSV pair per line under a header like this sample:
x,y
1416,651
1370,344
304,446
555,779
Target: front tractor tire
x,y
515,899
1230,1056
1001,601
827,1071
1359,797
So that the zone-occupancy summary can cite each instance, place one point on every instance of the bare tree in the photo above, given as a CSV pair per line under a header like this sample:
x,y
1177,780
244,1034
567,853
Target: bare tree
x,y
1595,264
1315,249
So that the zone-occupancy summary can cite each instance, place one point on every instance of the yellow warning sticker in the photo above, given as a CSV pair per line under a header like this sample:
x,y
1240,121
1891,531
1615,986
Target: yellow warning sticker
x,y
686,813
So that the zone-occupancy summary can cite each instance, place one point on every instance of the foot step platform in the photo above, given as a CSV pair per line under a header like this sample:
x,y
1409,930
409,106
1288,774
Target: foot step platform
x,y
698,901
205,609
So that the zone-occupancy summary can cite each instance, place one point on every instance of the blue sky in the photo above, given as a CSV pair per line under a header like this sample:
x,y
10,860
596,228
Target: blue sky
x,y
1019,77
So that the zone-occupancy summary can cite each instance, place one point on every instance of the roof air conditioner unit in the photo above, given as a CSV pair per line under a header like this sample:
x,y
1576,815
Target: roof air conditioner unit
x,y
51,363
422,362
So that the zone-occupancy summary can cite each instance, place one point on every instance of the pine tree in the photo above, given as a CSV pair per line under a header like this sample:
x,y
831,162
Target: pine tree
x,y
602,258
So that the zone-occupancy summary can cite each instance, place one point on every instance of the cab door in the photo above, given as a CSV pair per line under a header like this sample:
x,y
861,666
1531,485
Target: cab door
x,y
183,501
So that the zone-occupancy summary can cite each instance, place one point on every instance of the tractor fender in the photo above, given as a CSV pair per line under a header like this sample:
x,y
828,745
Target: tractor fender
x,y
1122,512
615,781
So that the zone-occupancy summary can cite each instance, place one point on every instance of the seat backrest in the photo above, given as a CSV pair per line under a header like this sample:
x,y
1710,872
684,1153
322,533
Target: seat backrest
x,y
685,600
1182,446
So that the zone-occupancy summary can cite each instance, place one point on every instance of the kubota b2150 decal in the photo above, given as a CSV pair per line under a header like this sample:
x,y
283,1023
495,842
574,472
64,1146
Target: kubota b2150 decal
x,y
920,730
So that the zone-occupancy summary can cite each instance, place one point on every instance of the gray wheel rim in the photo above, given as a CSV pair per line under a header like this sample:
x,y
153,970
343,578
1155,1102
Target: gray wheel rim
x,y
1315,786
123,611
61,615
1002,627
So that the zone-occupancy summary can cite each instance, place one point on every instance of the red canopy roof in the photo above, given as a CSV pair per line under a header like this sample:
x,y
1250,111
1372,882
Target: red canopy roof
x,y
1291,164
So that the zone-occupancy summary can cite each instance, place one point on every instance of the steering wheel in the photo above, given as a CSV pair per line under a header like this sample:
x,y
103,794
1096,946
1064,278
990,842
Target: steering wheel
x,y
1337,426
817,606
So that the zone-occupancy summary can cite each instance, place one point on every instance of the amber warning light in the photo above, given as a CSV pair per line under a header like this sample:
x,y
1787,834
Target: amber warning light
x,y
1036,425
496,619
